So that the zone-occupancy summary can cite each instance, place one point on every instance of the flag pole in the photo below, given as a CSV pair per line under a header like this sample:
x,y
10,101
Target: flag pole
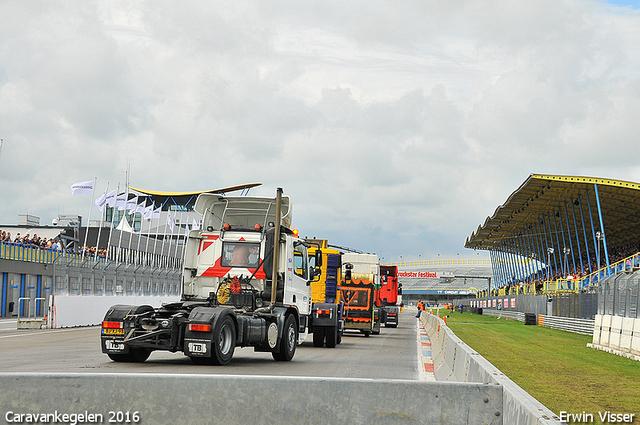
x,y
102,214
111,222
86,232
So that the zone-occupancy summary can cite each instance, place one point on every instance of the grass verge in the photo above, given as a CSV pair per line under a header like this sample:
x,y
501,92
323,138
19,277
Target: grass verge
x,y
554,366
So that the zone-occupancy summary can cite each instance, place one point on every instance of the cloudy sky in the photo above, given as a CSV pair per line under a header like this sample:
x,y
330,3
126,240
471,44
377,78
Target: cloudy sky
x,y
395,127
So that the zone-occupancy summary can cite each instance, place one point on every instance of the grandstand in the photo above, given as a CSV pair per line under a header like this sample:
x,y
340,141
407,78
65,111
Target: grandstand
x,y
444,279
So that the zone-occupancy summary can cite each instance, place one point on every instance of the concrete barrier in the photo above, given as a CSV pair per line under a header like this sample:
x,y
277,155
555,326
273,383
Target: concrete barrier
x,y
78,310
198,399
626,334
617,335
456,361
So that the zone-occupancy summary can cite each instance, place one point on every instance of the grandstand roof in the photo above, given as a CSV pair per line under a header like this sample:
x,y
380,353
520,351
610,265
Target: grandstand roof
x,y
188,198
177,194
556,199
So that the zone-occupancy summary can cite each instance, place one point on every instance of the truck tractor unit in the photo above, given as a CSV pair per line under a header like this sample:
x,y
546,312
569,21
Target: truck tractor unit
x,y
389,296
360,274
327,322
245,283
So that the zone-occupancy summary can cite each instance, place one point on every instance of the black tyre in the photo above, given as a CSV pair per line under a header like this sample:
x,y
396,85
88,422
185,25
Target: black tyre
x,y
135,355
318,337
224,341
288,341
332,337
339,337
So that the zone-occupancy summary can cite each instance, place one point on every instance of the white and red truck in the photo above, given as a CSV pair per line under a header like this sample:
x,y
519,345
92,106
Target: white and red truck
x,y
246,278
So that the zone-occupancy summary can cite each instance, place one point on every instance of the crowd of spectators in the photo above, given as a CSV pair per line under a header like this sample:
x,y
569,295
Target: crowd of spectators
x,y
91,252
34,241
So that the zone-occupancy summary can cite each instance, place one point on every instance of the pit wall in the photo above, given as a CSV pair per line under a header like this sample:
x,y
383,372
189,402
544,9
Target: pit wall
x,y
72,310
455,361
617,335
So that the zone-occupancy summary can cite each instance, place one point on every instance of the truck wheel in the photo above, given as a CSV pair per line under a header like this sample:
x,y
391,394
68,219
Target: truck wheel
x,y
332,337
288,341
135,355
318,337
339,337
366,333
224,341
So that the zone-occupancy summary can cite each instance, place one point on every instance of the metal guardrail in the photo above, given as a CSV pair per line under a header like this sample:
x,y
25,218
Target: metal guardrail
x,y
580,326
515,315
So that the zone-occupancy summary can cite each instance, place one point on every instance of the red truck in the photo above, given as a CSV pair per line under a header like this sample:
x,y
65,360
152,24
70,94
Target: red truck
x,y
389,296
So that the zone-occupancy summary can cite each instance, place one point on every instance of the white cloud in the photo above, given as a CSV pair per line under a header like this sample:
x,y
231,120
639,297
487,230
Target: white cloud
x,y
395,127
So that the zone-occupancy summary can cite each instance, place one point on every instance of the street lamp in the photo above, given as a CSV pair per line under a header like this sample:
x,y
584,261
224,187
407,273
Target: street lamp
x,y
549,252
599,237
566,252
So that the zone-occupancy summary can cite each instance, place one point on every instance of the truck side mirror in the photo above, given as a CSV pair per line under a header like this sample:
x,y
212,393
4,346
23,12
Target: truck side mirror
x,y
318,256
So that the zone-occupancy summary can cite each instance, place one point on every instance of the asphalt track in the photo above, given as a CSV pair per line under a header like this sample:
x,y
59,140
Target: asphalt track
x,y
391,355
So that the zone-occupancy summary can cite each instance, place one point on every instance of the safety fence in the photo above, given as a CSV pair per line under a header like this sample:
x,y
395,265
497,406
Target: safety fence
x,y
24,284
583,305
116,254
17,252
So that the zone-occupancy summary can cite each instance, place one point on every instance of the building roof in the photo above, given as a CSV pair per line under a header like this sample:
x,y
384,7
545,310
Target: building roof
x,y
556,200
186,198
156,193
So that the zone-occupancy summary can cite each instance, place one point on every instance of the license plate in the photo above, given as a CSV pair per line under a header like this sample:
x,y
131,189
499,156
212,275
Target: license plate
x,y
115,331
196,347
113,346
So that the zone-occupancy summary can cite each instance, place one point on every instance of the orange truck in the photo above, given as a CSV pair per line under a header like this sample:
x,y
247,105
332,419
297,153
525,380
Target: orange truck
x,y
360,276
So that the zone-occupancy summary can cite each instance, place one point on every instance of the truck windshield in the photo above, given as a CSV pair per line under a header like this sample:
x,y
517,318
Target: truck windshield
x,y
240,254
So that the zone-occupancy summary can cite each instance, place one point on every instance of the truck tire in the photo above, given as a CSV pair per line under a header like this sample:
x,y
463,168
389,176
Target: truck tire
x,y
339,337
318,337
135,355
288,341
332,337
224,341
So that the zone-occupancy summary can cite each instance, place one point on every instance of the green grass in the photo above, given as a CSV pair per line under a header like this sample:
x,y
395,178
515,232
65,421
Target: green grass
x,y
554,366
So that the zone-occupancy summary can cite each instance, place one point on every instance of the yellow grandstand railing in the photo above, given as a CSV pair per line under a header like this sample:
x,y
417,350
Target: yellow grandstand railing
x,y
427,263
10,251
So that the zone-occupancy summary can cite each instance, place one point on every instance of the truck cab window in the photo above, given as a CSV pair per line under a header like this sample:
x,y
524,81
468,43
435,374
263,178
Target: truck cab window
x,y
240,254
301,267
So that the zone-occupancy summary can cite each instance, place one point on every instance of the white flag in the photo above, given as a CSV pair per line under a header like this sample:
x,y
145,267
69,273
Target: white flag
x,y
170,221
186,230
132,204
156,213
148,212
106,199
196,225
142,206
121,201
82,188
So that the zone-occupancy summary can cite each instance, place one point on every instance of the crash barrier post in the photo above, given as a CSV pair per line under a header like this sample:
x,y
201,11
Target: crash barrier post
x,y
455,361
223,399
